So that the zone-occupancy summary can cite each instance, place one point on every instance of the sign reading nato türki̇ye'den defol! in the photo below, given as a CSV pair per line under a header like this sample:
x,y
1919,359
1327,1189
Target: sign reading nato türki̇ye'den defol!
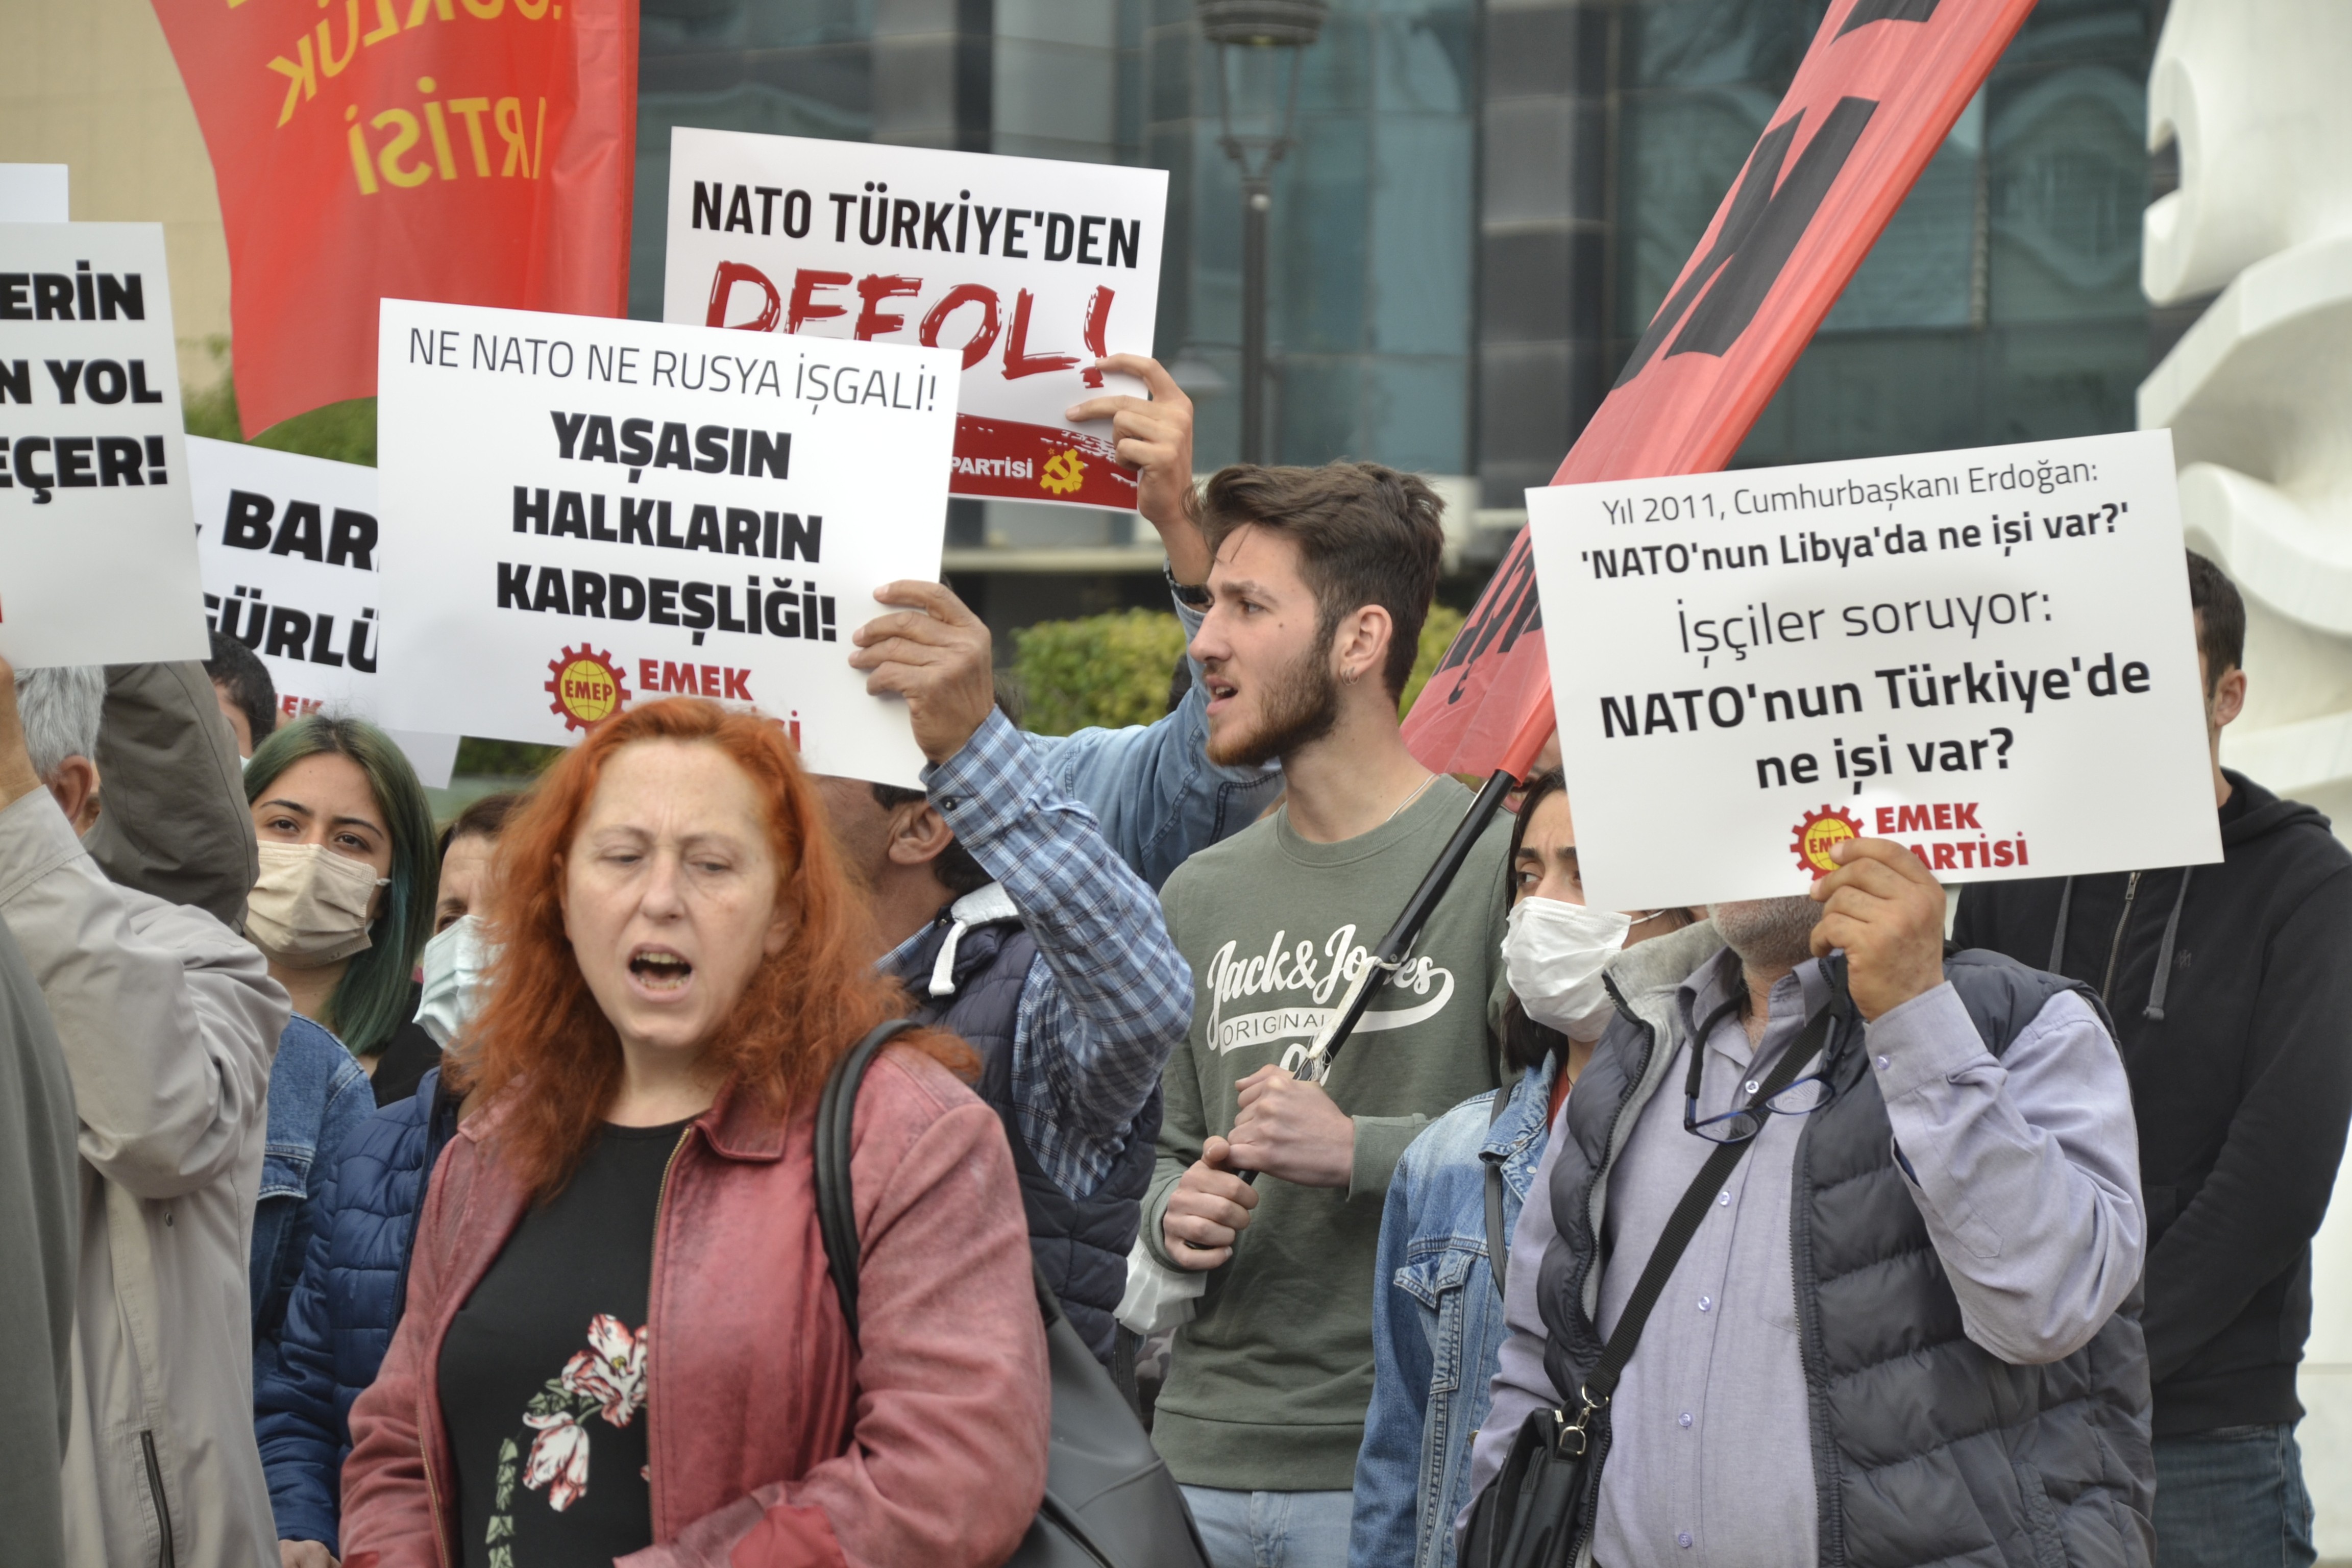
x,y
592,513
1029,269
1986,655
98,549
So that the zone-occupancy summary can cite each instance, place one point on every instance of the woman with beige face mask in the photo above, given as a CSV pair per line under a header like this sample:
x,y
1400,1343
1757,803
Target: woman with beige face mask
x,y
343,909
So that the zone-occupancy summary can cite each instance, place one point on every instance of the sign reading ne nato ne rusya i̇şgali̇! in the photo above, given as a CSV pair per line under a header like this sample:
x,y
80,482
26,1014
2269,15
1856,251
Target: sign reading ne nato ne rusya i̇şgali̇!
x,y
593,512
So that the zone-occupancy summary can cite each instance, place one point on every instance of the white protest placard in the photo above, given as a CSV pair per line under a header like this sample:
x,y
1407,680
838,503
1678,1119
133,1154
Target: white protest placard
x,y
32,193
98,557
293,555
1987,656
590,512
1030,269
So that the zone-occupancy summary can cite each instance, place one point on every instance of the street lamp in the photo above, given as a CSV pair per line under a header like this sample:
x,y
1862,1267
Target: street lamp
x,y
1258,45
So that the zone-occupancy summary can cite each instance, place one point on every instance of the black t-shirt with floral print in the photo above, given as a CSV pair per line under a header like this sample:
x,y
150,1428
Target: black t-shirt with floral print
x,y
543,1373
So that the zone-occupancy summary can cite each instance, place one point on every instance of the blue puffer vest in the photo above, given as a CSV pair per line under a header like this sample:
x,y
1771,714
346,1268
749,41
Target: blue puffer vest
x,y
1080,1244
1927,1448
345,1305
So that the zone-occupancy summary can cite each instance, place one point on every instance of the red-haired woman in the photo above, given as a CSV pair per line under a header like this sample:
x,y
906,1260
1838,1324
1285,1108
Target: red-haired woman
x,y
621,1339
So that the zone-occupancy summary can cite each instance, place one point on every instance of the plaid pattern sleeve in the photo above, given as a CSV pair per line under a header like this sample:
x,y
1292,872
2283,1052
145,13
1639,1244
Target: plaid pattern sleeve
x,y
1109,996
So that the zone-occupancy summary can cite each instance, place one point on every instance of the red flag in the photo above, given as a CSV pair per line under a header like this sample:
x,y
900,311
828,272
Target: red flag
x,y
477,151
1875,96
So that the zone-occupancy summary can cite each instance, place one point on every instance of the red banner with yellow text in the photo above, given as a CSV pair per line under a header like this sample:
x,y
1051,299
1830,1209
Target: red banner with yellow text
x,y
474,151
1877,94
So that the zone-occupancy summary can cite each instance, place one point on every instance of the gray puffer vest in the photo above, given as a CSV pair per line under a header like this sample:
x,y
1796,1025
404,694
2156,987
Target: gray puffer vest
x,y
1927,1448
1080,1244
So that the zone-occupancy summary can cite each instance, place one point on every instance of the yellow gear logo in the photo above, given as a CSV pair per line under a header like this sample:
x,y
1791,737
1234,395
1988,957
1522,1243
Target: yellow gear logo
x,y
588,687
1063,473
1819,832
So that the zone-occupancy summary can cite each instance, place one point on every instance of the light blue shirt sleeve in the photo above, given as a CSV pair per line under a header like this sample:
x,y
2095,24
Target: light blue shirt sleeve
x,y
2026,1167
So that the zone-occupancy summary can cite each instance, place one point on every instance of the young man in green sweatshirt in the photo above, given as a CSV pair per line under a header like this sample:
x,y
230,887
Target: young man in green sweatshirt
x,y
1320,582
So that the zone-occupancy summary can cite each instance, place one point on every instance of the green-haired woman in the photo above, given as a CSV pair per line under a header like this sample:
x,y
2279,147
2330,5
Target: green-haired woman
x,y
343,911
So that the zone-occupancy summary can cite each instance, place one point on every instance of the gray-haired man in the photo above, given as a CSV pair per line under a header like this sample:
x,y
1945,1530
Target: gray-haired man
x,y
168,1021
1895,1336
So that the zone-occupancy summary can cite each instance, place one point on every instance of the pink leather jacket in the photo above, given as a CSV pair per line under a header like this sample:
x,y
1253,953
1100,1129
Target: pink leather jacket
x,y
772,1441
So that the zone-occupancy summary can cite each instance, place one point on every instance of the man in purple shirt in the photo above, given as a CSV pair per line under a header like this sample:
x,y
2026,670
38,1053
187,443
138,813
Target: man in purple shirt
x,y
1907,1329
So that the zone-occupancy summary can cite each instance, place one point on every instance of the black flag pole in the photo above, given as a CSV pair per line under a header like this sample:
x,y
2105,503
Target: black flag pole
x,y
1388,956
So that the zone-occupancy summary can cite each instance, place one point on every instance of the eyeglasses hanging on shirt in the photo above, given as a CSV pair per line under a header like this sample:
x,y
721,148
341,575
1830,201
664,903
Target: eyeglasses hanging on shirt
x,y
1801,1097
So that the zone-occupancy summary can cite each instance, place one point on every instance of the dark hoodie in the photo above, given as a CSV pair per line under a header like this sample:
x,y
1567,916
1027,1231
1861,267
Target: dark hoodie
x,y
2231,987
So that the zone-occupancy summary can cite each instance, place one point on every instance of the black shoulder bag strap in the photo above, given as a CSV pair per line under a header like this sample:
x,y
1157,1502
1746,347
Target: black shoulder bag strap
x,y
1684,1223
1532,1513
836,1220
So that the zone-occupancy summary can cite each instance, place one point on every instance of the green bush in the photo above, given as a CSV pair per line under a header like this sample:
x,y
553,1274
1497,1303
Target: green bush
x,y
1114,669
1101,670
1437,635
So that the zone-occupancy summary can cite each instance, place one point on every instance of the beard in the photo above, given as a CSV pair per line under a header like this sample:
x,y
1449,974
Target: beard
x,y
1768,933
1301,706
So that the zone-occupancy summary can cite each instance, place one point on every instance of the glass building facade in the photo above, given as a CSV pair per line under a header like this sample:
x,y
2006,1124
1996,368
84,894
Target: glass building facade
x,y
1487,200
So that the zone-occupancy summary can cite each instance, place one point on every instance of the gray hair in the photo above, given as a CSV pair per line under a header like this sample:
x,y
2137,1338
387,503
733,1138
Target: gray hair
x,y
59,709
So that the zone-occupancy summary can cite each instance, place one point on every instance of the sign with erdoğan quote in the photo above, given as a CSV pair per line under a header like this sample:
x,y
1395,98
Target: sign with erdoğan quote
x,y
292,558
590,513
1029,269
1988,655
98,563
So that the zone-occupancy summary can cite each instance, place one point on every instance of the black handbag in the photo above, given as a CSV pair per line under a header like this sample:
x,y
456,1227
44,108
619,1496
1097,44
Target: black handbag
x,y
1110,1500
1540,1506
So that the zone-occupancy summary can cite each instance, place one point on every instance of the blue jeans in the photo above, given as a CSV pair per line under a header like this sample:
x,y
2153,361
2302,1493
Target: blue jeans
x,y
1272,1529
2232,1497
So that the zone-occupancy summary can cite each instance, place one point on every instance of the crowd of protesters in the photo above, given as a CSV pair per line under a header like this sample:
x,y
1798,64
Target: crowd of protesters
x,y
383,1194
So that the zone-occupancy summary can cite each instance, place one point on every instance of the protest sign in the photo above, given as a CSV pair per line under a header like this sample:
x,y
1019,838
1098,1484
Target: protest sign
x,y
98,561
1030,269
1986,655
32,193
1877,92
481,152
593,512
293,555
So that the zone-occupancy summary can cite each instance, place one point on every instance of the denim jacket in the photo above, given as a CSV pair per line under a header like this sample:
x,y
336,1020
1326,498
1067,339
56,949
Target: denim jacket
x,y
318,1093
1437,1325
1151,787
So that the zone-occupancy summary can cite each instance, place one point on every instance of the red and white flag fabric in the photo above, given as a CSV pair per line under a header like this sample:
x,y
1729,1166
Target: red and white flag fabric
x,y
472,152
1875,96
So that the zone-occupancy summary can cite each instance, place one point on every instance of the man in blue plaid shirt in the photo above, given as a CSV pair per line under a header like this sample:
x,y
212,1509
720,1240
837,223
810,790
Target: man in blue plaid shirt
x,y
1017,888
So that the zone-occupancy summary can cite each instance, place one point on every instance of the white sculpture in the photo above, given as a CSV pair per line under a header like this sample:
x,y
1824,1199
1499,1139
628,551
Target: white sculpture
x,y
2258,395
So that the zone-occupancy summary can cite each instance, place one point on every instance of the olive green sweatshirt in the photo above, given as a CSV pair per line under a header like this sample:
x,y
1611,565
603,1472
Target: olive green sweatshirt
x,y
1269,1384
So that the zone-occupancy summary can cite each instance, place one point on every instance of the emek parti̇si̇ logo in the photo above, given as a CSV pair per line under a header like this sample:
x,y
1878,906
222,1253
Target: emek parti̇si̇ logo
x,y
587,687
1818,834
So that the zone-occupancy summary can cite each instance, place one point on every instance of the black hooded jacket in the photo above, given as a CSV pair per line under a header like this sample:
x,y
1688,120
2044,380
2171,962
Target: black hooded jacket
x,y
2231,988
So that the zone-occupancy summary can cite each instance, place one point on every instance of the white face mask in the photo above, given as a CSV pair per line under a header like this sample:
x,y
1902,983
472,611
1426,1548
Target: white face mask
x,y
1554,953
454,965
310,905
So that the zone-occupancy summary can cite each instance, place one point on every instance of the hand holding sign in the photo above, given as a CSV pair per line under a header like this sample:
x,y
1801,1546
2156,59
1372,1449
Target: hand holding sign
x,y
1155,435
936,656
1886,911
